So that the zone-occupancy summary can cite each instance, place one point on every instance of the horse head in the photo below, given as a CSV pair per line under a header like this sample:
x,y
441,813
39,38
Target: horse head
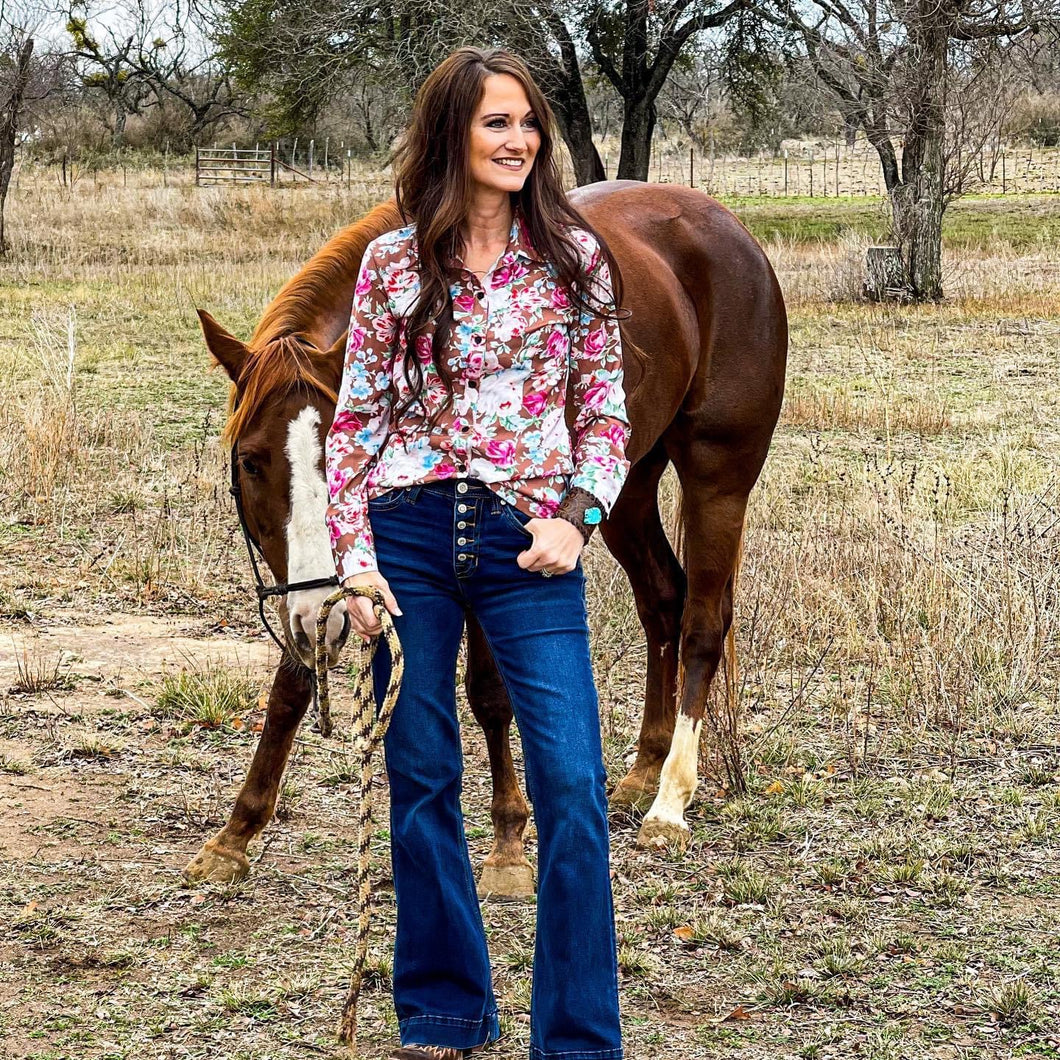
x,y
281,406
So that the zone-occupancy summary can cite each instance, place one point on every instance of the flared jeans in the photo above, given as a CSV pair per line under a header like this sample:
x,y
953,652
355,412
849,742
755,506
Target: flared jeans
x,y
448,549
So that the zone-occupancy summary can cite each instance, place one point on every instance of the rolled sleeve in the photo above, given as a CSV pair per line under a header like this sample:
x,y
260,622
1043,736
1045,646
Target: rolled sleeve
x,y
362,419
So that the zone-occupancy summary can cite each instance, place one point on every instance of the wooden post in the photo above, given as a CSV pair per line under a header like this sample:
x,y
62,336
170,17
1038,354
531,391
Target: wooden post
x,y
294,151
1004,182
349,167
272,164
327,140
196,167
691,167
785,172
312,145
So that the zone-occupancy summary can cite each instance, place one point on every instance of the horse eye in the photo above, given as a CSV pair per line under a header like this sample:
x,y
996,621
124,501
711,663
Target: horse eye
x,y
249,466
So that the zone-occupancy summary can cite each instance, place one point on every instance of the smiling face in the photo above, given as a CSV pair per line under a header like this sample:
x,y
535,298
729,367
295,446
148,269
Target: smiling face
x,y
505,136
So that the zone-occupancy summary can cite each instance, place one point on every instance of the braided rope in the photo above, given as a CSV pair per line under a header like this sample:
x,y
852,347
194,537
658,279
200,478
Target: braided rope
x,y
368,735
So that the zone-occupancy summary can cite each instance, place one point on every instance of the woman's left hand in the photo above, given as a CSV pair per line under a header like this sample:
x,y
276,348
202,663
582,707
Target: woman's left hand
x,y
556,548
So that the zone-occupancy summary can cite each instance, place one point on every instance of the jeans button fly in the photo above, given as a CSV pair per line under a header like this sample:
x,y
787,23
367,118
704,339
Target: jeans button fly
x,y
461,487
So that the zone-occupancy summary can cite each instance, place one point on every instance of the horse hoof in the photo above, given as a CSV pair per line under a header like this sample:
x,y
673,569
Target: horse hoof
x,y
506,881
633,794
657,832
217,864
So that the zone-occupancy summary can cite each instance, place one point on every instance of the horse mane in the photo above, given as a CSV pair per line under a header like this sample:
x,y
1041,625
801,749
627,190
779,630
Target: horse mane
x,y
282,354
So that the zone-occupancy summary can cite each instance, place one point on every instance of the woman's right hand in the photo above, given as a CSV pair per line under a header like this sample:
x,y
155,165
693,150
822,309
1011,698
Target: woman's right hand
x,y
360,609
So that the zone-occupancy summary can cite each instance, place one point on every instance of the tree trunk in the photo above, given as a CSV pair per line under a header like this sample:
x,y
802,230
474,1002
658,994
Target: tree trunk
x,y
637,129
562,83
9,116
121,116
918,200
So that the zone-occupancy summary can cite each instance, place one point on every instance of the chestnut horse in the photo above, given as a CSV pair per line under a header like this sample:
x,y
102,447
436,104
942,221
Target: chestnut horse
x,y
708,315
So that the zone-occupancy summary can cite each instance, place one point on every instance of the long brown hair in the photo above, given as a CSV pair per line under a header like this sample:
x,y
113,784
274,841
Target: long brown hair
x,y
433,189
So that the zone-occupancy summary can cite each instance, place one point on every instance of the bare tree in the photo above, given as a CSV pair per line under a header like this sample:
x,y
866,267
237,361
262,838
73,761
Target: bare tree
x,y
889,65
139,54
635,43
27,77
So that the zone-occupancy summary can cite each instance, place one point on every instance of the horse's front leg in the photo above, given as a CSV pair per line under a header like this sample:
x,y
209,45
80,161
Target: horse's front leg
x,y
506,872
223,858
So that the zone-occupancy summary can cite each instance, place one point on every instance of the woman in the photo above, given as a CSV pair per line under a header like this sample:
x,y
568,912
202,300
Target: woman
x,y
457,489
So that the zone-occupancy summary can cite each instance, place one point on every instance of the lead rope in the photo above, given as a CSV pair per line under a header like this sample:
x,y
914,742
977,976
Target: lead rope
x,y
369,729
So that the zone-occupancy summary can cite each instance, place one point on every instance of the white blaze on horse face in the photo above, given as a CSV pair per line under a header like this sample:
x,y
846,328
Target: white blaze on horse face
x,y
680,774
309,553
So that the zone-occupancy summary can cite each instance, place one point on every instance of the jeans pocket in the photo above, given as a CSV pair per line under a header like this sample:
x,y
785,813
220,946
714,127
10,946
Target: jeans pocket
x,y
516,518
385,501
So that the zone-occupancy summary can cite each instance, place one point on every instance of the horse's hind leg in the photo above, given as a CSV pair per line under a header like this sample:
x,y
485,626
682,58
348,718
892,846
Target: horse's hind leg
x,y
714,501
635,537
506,872
223,858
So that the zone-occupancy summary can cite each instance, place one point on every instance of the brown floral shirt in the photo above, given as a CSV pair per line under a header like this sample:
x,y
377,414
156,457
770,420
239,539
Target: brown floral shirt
x,y
516,339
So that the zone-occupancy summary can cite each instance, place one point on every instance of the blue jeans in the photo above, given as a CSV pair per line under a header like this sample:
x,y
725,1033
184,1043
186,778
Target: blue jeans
x,y
447,553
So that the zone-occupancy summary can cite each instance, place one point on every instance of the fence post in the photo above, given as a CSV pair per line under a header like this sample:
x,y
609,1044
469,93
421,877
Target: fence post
x,y
272,164
312,145
349,167
785,172
327,140
197,166
1004,182
691,167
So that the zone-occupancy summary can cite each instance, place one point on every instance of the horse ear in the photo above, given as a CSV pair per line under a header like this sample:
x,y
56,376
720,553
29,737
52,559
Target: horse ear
x,y
227,350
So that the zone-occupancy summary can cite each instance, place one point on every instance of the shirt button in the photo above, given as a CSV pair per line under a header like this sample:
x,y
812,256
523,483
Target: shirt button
x,y
465,428
476,339
472,382
461,487
461,507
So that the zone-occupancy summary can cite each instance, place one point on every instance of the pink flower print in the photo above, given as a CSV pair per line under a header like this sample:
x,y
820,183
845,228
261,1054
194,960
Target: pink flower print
x,y
364,283
535,402
500,451
595,341
476,361
596,395
423,349
444,470
558,343
615,433
464,303
347,422
399,280
435,388
384,328
502,277
559,298
356,340
548,509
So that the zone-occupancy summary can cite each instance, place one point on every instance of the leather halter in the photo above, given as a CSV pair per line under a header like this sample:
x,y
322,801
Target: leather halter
x,y
265,591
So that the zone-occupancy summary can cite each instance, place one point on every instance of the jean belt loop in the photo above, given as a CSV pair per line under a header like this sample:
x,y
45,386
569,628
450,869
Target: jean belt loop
x,y
414,492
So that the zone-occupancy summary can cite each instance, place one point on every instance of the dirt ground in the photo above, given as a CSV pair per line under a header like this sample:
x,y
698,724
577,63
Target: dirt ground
x,y
887,888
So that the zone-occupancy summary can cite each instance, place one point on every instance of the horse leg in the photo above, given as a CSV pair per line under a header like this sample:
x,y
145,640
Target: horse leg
x,y
634,535
713,510
506,872
223,858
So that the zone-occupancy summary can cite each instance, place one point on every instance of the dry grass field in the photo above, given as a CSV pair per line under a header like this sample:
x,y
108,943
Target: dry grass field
x,y
887,889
